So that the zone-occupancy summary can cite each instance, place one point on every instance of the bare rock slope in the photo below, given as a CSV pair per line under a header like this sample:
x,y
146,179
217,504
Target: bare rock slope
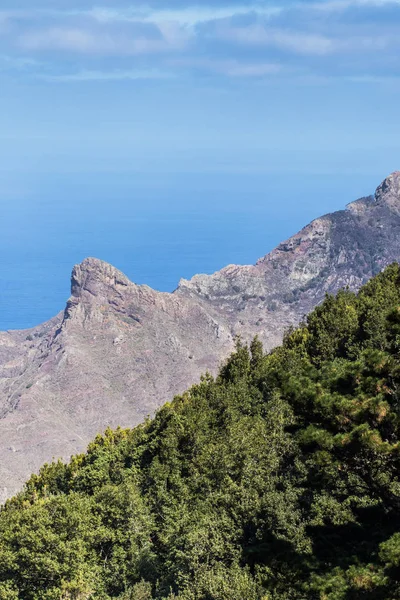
x,y
120,350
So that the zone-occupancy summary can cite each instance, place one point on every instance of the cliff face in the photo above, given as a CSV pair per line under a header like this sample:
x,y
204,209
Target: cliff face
x,y
119,350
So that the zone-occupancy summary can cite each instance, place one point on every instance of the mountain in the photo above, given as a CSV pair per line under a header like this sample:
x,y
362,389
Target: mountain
x,y
119,351
276,480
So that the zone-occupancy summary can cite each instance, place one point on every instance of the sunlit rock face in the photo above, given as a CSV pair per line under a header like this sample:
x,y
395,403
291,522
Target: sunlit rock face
x,y
118,351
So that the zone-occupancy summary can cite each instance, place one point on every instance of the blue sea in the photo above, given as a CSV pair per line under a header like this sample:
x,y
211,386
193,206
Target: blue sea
x,y
155,227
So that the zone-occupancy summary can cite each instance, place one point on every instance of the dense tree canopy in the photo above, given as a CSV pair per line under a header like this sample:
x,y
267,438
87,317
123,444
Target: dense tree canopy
x,y
277,480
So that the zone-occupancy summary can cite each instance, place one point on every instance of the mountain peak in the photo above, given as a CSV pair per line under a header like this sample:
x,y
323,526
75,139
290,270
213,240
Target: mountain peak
x,y
93,275
388,192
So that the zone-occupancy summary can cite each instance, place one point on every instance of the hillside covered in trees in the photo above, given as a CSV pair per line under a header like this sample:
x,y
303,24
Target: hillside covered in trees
x,y
277,480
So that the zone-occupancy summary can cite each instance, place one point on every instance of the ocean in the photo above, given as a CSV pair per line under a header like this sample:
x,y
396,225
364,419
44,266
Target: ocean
x,y
156,227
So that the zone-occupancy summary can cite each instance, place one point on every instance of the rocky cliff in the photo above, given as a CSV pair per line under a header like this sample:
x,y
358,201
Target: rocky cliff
x,y
119,350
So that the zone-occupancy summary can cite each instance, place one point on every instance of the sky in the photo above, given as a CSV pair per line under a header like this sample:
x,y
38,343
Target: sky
x,y
266,86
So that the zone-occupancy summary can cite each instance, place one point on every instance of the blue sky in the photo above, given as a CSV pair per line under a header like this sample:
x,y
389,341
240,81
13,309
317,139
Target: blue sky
x,y
295,86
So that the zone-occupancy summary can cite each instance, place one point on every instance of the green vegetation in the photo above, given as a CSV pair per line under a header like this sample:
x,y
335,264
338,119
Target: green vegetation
x,y
277,480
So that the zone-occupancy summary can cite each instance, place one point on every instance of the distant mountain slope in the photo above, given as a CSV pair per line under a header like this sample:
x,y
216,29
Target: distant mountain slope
x,y
119,350
344,248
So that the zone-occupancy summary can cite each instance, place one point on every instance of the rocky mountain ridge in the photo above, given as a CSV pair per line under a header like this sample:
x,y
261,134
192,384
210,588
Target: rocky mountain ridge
x,y
119,350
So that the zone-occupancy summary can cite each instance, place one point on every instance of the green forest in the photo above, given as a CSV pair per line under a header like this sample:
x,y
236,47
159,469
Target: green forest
x,y
276,480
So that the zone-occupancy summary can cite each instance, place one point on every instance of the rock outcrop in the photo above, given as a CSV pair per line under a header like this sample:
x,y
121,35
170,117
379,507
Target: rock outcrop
x,y
118,351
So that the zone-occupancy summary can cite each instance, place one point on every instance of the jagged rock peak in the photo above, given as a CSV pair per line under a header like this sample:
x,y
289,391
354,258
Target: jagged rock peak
x,y
93,275
387,195
389,191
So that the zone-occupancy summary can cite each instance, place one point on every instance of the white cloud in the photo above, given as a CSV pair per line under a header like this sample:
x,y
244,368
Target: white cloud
x,y
236,69
17,63
374,79
258,35
59,38
84,41
229,68
117,32
340,5
117,75
187,17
